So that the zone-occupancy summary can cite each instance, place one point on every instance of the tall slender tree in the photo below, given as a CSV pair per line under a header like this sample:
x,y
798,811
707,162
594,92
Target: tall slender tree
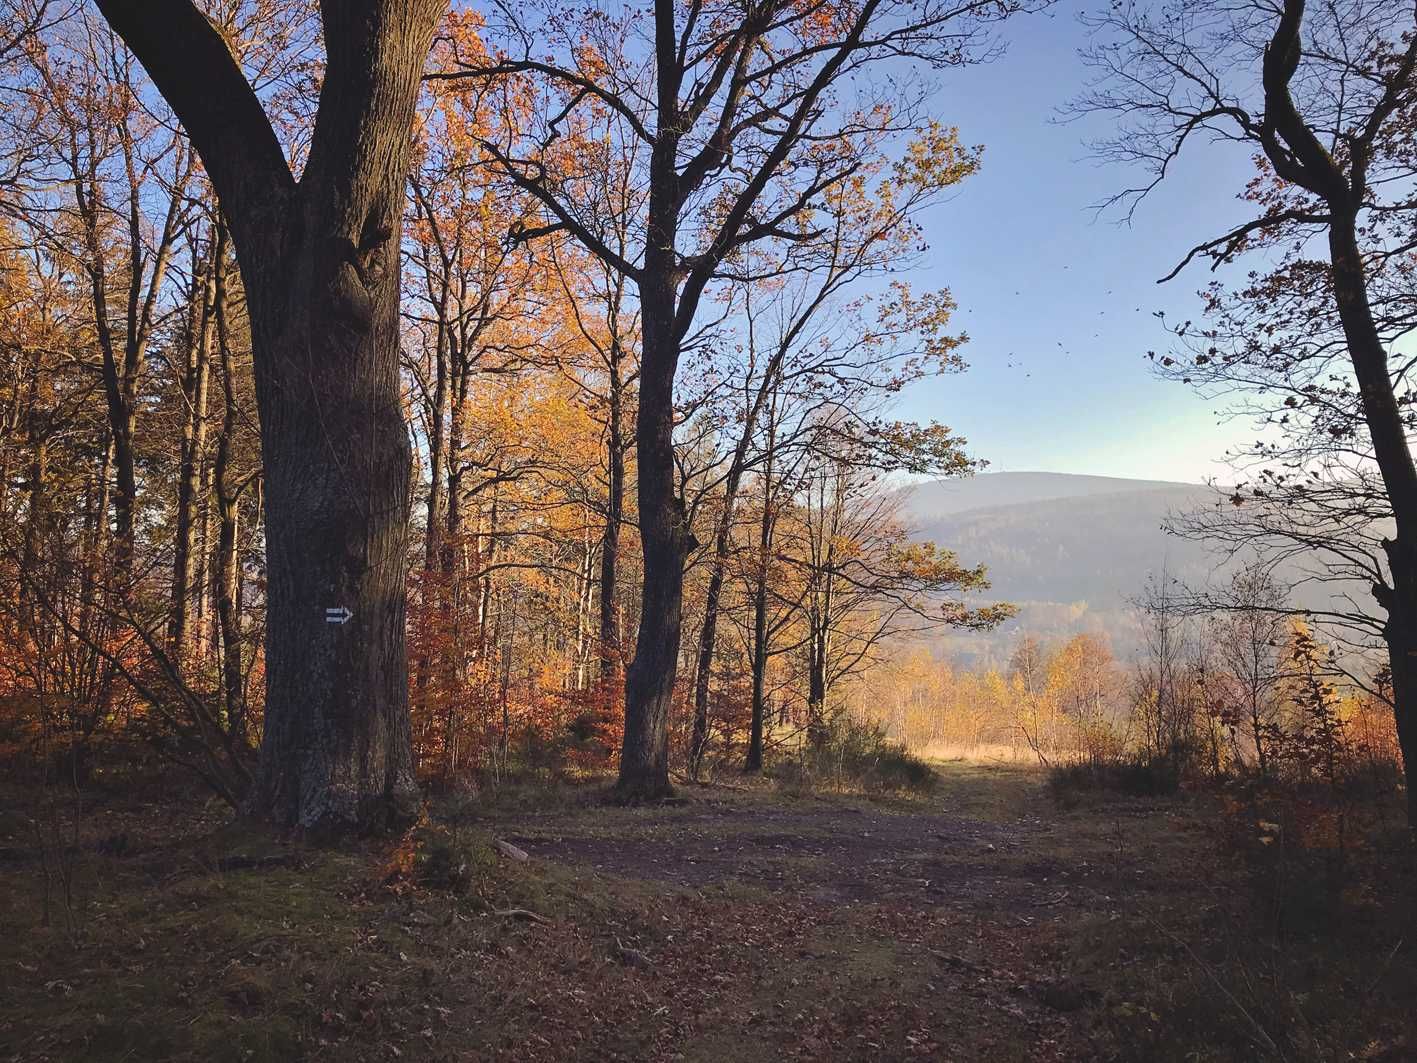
x,y
749,114
1326,100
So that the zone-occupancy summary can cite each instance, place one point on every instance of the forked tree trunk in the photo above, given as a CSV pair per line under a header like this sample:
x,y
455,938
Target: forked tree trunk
x,y
319,259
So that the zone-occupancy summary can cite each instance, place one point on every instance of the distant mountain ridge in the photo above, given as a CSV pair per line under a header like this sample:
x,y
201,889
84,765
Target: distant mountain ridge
x,y
1069,550
939,497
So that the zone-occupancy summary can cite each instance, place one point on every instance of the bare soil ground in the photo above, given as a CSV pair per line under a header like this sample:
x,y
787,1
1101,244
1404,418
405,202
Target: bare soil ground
x,y
737,924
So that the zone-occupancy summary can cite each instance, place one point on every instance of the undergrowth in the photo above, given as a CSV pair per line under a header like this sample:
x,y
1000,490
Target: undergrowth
x,y
846,754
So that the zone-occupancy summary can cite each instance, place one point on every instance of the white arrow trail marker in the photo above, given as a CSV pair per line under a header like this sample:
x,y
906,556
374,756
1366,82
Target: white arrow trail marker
x,y
339,615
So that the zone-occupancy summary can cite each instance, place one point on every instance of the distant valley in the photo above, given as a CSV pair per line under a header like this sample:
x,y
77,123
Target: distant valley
x,y
1068,550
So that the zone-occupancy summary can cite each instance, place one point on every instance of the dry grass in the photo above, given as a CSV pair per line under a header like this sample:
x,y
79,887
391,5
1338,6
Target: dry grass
x,y
981,753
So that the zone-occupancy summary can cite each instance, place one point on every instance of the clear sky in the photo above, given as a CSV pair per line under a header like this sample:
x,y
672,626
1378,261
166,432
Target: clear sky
x,y
1058,303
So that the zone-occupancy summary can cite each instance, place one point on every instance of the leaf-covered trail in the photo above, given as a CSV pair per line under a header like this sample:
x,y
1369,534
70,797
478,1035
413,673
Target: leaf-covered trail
x,y
837,928
740,923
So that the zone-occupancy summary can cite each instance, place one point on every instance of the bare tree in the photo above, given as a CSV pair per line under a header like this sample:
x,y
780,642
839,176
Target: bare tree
x,y
1165,699
1249,631
1324,98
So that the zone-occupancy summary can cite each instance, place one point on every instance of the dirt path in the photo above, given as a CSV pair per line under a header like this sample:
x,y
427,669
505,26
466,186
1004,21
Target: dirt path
x,y
833,852
847,929
740,924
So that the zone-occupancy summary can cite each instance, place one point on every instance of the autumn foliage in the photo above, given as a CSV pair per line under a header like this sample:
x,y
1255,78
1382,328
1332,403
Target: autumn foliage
x,y
133,551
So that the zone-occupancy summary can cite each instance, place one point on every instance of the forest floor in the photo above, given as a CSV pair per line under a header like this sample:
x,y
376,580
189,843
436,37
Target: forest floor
x,y
738,923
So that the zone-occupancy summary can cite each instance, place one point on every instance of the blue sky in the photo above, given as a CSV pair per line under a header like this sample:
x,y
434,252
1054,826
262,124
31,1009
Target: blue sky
x,y
1058,303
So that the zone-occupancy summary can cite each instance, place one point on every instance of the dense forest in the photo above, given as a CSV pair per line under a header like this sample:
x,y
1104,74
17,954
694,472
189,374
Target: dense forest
x,y
145,582
445,450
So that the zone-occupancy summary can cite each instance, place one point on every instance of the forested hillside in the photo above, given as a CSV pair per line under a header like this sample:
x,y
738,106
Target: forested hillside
x,y
1073,553
1070,551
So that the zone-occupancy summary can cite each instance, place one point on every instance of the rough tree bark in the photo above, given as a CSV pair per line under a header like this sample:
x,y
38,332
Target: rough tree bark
x,y
319,261
664,530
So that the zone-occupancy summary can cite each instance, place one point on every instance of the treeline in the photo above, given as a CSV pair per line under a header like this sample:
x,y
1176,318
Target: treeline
x,y
140,573
383,380
1252,691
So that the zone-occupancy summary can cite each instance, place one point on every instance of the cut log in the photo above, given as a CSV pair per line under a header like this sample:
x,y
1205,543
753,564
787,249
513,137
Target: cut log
x,y
520,913
509,850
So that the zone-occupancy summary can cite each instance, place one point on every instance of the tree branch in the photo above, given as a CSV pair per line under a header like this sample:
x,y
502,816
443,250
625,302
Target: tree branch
x,y
191,65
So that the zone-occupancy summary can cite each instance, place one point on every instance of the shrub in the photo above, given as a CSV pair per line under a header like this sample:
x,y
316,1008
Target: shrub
x,y
846,753
1137,775
434,857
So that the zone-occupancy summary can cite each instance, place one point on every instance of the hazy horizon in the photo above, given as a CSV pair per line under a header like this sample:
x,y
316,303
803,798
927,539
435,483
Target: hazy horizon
x,y
1057,301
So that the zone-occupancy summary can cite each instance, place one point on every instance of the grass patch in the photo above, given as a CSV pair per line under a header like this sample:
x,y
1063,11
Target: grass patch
x,y
853,755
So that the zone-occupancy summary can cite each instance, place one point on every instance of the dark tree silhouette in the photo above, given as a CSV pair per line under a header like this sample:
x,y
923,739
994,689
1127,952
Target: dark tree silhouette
x,y
1325,101
319,262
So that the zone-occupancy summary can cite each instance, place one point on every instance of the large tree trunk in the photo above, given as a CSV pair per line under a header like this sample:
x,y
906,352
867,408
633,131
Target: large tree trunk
x,y
664,528
664,532
1401,635
337,744
320,263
